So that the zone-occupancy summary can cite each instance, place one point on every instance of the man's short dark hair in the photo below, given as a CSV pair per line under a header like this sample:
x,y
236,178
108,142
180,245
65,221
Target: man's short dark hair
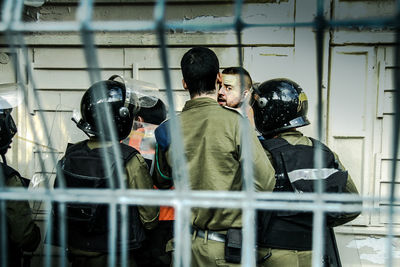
x,y
200,67
239,70
154,115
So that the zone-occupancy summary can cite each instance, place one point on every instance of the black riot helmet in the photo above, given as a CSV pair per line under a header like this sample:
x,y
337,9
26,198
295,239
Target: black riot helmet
x,y
280,104
7,130
122,100
122,104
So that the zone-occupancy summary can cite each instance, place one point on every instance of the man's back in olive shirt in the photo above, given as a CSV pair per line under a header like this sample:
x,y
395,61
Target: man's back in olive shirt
x,y
212,144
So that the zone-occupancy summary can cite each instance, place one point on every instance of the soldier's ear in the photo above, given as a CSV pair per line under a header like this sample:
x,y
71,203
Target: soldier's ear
x,y
218,81
184,84
219,78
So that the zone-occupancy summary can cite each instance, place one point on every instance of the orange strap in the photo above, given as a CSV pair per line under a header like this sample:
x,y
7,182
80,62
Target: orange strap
x,y
166,213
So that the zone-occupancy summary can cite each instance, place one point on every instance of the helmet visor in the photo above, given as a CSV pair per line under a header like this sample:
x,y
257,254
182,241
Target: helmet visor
x,y
10,97
142,92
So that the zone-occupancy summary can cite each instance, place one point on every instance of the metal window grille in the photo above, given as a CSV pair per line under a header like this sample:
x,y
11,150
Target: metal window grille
x,y
13,28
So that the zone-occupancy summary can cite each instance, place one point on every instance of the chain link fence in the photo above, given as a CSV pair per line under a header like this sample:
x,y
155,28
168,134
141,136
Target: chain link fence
x,y
13,28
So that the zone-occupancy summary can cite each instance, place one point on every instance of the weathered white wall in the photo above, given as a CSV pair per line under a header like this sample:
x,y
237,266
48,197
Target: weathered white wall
x,y
357,91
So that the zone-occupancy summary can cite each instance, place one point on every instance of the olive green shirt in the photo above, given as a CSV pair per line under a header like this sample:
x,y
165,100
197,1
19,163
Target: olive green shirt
x,y
212,144
297,138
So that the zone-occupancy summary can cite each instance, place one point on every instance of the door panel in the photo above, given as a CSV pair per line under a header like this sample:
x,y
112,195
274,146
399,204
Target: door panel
x,y
351,111
264,63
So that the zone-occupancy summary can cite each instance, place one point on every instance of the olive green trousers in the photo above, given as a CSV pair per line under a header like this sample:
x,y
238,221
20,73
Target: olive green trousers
x,y
288,258
212,253
207,253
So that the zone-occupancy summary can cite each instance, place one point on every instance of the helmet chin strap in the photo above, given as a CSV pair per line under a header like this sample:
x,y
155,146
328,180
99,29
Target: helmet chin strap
x,y
82,125
3,157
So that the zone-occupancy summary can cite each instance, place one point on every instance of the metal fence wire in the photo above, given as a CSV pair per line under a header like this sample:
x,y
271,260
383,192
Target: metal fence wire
x,y
13,29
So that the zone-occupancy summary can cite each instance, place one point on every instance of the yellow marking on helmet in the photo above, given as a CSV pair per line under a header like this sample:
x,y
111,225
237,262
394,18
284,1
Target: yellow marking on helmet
x,y
302,99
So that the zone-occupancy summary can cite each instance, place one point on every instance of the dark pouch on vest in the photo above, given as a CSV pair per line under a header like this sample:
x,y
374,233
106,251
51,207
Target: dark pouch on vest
x,y
233,246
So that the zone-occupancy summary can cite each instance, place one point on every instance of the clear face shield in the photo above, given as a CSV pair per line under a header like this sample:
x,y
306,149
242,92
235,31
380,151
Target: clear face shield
x,y
145,96
142,134
10,97
138,93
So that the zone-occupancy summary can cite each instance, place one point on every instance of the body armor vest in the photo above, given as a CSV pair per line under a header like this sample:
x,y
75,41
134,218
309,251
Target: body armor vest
x,y
14,252
295,172
7,172
87,224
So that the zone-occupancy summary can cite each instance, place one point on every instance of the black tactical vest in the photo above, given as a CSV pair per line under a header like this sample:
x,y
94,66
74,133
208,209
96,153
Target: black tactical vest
x,y
14,253
8,172
87,224
295,172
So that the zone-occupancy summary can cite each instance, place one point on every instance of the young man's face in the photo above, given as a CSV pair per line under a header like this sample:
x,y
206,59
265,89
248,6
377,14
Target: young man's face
x,y
229,93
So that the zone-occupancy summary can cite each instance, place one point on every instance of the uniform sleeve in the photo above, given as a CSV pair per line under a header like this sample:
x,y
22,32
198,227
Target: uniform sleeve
x,y
263,171
23,232
350,186
139,178
352,189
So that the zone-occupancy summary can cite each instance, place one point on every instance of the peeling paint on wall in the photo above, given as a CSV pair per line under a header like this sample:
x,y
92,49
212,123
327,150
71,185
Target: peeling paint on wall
x,y
378,246
210,20
206,20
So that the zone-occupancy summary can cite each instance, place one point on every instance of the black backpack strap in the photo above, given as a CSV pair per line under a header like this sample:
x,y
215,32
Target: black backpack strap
x,y
275,146
274,143
127,152
322,146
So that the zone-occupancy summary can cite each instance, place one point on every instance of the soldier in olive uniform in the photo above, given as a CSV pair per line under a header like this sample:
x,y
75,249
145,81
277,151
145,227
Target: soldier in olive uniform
x,y
153,252
83,166
211,137
23,235
280,107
